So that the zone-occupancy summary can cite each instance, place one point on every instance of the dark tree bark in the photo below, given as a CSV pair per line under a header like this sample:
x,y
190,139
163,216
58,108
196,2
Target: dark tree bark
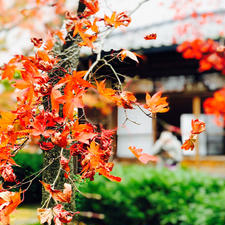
x,y
69,59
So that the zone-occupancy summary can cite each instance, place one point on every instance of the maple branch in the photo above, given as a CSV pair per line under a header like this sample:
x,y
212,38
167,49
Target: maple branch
x,y
21,146
147,114
128,119
91,68
114,72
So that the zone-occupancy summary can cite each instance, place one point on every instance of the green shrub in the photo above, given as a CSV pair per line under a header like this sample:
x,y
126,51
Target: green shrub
x,y
148,196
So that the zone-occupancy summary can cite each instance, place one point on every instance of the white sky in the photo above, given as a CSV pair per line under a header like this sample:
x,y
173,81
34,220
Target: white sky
x,y
149,13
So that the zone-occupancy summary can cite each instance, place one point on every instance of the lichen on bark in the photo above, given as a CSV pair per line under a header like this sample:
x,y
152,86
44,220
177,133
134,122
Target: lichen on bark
x,y
68,57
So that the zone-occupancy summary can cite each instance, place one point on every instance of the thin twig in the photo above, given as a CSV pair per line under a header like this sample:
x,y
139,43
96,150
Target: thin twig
x,y
128,119
147,114
21,146
114,72
38,173
137,7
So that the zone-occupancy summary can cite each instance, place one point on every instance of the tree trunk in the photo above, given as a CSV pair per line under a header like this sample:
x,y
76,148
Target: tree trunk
x,y
69,59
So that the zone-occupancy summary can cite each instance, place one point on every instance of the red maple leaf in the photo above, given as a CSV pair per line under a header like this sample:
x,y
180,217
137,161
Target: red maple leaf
x,y
189,143
58,195
156,104
92,7
116,20
7,173
150,37
197,126
83,132
8,203
65,165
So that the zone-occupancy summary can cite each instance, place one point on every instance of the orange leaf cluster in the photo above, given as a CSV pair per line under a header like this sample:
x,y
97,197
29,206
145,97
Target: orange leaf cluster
x,y
216,106
8,203
94,161
92,7
58,195
197,128
124,99
116,20
209,53
57,213
156,103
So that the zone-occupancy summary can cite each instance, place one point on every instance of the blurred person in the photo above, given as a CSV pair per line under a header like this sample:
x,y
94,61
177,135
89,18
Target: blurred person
x,y
168,149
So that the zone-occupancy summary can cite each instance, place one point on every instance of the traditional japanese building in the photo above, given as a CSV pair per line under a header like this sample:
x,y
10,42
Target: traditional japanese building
x,y
163,68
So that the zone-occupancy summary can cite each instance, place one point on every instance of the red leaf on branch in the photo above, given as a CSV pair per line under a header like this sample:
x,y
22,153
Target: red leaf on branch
x,y
40,126
83,132
116,20
8,203
94,162
150,37
7,172
72,101
197,126
126,100
37,42
45,215
156,104
106,174
189,143
46,145
56,97
60,138
125,53
58,195
65,165
59,215
62,216
108,93
92,7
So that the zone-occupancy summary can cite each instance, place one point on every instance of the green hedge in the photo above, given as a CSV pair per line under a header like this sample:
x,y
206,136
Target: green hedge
x,y
148,196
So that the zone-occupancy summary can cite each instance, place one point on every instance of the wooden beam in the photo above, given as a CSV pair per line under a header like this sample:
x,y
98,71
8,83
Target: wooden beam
x,y
154,127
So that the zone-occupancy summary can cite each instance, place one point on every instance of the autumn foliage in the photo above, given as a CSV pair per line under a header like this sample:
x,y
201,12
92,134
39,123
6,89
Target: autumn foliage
x,y
48,99
197,128
209,53
47,109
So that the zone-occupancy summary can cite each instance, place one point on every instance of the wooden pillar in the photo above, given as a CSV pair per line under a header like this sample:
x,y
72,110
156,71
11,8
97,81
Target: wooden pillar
x,y
112,123
196,108
154,127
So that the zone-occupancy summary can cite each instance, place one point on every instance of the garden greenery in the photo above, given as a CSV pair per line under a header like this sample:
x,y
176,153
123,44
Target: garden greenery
x,y
150,196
